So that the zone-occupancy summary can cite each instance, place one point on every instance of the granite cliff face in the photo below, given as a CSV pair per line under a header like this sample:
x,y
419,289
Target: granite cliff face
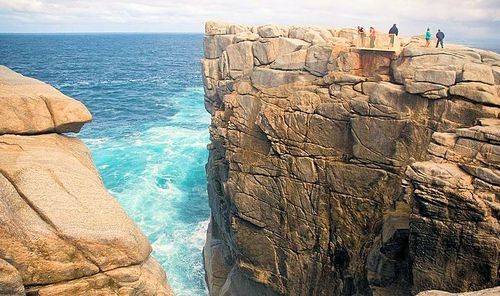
x,y
61,232
338,171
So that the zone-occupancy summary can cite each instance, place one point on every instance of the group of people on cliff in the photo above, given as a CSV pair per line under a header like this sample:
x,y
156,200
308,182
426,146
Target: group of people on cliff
x,y
394,31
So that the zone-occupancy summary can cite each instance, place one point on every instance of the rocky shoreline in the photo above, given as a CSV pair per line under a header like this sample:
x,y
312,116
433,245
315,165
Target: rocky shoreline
x,y
61,232
339,171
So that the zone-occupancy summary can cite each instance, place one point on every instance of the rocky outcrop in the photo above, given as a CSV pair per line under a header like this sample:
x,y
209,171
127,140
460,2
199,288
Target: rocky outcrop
x,y
454,222
30,106
338,171
61,232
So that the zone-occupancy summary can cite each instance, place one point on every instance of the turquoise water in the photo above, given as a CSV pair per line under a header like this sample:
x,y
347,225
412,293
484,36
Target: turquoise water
x,y
149,133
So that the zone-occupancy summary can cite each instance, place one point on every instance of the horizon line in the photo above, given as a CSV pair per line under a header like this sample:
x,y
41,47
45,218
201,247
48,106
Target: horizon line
x,y
184,32
110,32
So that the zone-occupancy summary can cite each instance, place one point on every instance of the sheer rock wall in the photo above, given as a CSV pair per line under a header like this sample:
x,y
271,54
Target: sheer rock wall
x,y
337,171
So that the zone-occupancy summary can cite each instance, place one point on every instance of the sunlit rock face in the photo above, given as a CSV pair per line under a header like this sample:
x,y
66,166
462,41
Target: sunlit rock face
x,y
338,171
61,232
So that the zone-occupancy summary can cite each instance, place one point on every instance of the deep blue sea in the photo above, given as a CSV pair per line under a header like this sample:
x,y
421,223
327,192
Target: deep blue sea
x,y
149,133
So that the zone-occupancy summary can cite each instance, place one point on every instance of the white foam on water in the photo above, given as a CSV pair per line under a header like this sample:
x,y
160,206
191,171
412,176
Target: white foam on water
x,y
199,236
158,176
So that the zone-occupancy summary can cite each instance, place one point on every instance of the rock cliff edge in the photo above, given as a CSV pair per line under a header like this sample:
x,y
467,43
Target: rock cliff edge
x,y
340,171
61,232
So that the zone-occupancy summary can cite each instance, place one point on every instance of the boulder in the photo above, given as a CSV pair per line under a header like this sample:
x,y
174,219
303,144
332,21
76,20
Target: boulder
x,y
268,50
267,78
246,36
442,77
216,28
291,61
61,232
476,91
58,221
239,59
317,59
269,31
29,106
423,87
57,208
214,45
477,73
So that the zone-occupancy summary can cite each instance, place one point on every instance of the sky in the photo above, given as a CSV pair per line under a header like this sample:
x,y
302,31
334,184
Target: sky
x,y
462,19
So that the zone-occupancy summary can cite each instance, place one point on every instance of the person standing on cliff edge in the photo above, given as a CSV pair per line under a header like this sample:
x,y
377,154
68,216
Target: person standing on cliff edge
x,y
373,35
362,35
428,37
393,32
440,37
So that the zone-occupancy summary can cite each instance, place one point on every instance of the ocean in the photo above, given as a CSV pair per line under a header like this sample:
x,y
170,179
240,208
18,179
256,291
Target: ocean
x,y
149,133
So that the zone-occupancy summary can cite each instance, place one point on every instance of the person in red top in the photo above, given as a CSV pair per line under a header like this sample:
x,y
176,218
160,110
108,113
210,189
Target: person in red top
x,y
373,35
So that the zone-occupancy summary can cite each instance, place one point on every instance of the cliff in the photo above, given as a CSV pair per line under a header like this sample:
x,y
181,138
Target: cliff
x,y
335,170
61,232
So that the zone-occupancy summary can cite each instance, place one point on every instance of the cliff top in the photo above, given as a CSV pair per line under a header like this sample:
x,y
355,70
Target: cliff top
x,y
322,35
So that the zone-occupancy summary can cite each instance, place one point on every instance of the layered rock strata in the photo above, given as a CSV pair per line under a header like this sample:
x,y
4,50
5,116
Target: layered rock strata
x,y
339,171
61,232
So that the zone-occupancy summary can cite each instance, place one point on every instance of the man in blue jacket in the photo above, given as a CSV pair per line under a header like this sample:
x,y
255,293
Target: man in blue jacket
x,y
440,37
393,31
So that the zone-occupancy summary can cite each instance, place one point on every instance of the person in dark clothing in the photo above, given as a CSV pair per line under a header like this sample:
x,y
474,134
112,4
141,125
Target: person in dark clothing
x,y
362,35
393,32
440,37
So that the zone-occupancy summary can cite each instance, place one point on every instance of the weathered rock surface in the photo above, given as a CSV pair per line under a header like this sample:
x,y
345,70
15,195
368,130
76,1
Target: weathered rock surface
x,y
61,232
334,171
30,106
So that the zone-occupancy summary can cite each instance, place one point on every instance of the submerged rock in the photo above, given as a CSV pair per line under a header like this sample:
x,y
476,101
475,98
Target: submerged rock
x,y
338,171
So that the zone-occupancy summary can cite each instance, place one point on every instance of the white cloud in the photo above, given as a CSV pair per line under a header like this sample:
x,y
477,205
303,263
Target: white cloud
x,y
465,18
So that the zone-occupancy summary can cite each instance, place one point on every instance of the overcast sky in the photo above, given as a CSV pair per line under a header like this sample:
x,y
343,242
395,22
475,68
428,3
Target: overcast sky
x,y
460,19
